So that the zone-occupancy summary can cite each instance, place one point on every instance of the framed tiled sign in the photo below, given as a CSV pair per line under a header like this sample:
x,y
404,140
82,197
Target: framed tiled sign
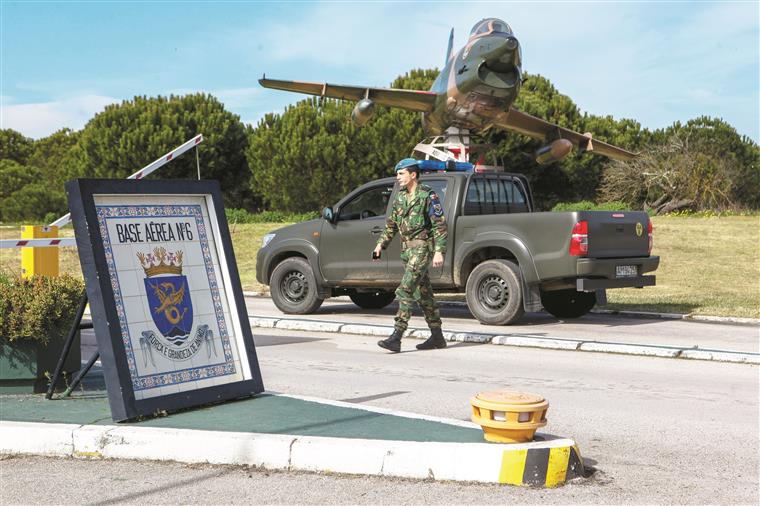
x,y
164,291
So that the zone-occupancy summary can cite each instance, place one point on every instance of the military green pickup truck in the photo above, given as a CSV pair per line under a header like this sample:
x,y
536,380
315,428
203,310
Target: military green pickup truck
x,y
506,258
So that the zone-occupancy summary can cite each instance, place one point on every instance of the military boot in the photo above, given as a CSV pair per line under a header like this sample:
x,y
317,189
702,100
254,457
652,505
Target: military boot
x,y
435,340
393,343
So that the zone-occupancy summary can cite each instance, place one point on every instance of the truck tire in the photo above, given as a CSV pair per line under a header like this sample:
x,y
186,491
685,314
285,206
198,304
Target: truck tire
x,y
294,287
570,303
494,292
372,300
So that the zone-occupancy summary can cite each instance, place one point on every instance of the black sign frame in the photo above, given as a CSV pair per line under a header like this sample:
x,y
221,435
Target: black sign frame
x,y
90,244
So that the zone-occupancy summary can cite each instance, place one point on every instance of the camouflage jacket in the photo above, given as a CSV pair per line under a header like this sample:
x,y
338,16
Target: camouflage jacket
x,y
421,218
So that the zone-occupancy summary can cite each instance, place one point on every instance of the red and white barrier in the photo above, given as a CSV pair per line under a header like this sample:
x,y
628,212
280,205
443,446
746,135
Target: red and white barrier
x,y
37,243
66,219
151,167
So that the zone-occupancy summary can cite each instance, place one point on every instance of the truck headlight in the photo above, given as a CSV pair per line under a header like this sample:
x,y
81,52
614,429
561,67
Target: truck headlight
x,y
266,240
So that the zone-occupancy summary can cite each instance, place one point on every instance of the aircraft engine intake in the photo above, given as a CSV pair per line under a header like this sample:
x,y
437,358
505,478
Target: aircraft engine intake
x,y
363,112
554,152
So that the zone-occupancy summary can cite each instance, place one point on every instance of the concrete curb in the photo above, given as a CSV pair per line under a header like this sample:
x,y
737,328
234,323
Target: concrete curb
x,y
510,340
541,463
633,314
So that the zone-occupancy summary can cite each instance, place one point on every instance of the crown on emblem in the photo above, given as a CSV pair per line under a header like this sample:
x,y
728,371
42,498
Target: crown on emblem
x,y
161,262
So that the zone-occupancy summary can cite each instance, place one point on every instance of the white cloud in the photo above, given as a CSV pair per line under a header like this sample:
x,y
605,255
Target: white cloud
x,y
41,119
233,98
368,40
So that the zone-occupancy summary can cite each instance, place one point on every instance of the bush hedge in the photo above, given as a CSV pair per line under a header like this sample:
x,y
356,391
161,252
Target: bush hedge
x,y
40,308
587,205
243,216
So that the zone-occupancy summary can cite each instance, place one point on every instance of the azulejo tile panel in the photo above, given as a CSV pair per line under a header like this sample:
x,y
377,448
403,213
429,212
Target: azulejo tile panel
x,y
163,265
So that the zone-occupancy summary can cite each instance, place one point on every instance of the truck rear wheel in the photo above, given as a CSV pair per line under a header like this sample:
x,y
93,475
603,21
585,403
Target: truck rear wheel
x,y
372,300
294,287
568,303
494,292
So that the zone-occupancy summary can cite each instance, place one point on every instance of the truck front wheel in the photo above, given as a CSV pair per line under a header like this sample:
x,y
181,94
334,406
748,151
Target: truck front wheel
x,y
494,292
294,287
568,303
372,300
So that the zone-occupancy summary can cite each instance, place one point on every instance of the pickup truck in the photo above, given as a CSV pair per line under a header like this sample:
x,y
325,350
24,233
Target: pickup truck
x,y
506,258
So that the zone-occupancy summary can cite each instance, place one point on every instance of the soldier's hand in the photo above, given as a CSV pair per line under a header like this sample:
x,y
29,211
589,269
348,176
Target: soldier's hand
x,y
376,253
437,259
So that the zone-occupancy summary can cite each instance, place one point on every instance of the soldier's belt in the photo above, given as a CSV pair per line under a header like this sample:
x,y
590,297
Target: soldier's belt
x,y
414,243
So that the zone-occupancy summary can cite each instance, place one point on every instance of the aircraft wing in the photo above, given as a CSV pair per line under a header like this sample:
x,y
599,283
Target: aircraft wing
x,y
539,129
423,101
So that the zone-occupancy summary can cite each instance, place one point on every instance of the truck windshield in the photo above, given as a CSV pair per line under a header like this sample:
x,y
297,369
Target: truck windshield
x,y
368,204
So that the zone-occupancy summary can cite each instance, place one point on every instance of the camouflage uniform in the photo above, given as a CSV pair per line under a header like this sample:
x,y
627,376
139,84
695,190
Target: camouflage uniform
x,y
422,227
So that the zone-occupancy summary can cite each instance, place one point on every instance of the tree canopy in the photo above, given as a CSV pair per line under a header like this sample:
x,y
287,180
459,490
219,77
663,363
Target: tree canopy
x,y
311,154
127,136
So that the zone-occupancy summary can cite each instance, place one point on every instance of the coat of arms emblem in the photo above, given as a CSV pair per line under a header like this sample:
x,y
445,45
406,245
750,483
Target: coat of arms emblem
x,y
171,308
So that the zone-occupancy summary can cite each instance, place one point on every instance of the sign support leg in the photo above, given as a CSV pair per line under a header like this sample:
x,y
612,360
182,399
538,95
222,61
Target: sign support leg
x,y
67,347
78,378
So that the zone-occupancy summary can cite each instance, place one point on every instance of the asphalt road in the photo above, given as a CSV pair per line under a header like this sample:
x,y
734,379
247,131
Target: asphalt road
x,y
655,430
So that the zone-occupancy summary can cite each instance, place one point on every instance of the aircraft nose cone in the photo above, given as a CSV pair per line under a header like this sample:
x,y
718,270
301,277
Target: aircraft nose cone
x,y
505,56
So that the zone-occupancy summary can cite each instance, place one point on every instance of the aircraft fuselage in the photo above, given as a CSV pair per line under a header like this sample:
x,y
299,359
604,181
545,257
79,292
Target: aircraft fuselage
x,y
479,82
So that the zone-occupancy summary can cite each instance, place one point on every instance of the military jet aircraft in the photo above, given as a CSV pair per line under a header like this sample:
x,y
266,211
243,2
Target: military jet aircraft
x,y
474,91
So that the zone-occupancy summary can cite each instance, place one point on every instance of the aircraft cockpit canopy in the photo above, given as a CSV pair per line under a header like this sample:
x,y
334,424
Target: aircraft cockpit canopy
x,y
490,25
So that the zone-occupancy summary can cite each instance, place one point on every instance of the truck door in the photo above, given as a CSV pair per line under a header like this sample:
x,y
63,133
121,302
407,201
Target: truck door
x,y
346,245
395,265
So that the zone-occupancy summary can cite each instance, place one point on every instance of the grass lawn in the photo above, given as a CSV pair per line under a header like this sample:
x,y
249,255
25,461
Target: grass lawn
x,y
708,266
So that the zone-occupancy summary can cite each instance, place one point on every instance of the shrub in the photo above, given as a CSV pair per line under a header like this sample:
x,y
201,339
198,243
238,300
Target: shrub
x,y
243,216
32,202
587,205
40,308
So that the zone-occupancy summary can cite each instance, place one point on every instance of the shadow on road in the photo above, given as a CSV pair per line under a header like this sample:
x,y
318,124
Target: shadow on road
x,y
169,485
462,313
265,340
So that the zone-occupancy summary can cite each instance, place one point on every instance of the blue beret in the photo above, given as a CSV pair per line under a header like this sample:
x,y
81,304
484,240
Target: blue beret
x,y
407,163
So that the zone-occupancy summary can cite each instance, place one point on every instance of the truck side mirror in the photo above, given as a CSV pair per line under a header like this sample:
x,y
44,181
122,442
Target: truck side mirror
x,y
327,213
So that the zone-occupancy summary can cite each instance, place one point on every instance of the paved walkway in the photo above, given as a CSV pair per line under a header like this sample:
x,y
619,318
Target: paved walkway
x,y
266,414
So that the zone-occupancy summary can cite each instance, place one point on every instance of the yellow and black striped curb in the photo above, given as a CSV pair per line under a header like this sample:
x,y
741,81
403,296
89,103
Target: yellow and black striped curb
x,y
540,463
541,467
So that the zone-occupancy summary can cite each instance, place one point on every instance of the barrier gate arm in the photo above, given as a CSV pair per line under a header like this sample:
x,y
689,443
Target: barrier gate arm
x,y
37,243
163,160
66,219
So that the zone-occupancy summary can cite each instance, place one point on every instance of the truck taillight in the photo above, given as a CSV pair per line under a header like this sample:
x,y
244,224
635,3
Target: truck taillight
x,y
579,239
649,232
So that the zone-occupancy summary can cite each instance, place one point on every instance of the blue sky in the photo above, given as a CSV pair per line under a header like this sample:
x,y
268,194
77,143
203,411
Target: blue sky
x,y
655,62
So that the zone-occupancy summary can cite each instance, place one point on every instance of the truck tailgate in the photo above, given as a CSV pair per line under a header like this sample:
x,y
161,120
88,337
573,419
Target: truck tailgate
x,y
617,234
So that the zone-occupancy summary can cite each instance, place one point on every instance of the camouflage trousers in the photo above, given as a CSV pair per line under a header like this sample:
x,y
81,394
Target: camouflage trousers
x,y
415,286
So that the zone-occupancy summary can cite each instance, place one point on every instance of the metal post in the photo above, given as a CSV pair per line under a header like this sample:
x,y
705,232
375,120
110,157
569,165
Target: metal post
x,y
67,347
75,382
198,162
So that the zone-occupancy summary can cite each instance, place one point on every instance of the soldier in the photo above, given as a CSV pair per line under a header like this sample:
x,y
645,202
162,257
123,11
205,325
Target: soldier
x,y
417,215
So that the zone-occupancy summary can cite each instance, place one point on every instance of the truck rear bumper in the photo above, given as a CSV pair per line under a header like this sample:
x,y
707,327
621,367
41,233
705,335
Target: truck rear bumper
x,y
589,285
601,273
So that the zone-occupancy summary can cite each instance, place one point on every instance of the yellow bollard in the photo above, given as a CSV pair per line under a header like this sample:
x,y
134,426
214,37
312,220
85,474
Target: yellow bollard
x,y
39,261
509,417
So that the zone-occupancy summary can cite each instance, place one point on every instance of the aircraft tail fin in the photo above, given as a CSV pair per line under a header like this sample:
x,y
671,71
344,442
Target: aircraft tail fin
x,y
451,46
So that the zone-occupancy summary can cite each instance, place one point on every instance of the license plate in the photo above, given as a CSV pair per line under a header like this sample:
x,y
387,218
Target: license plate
x,y
625,271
